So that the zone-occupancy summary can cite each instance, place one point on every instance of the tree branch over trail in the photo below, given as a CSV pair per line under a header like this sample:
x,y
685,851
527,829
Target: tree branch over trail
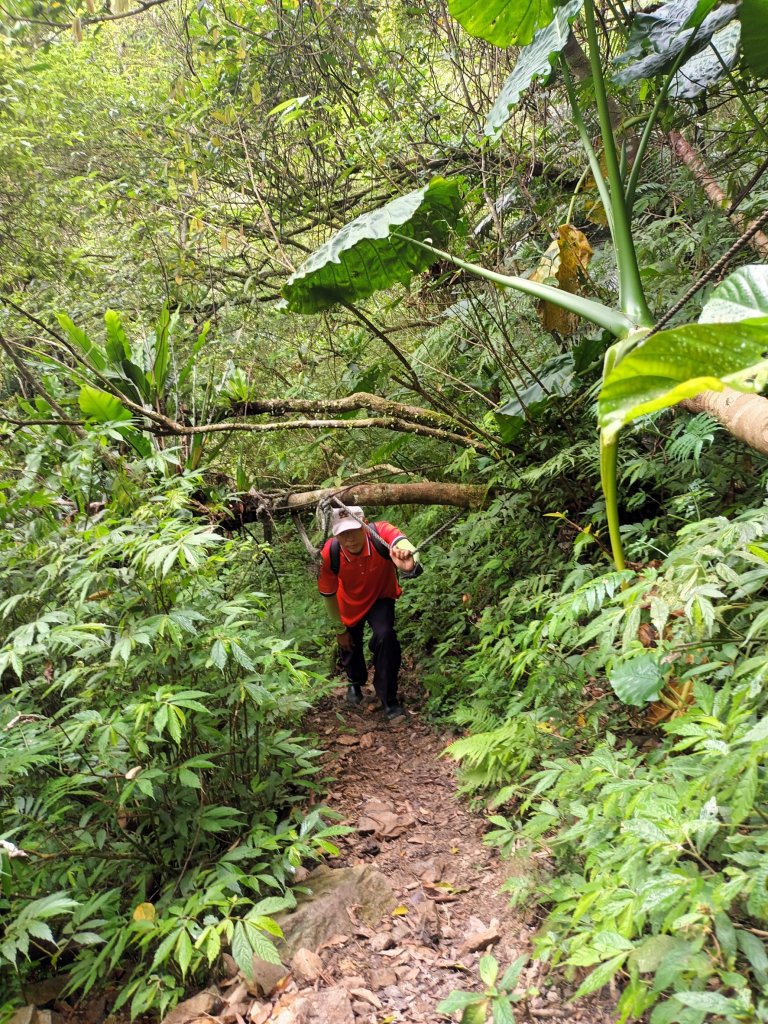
x,y
350,403
384,422
260,507
422,493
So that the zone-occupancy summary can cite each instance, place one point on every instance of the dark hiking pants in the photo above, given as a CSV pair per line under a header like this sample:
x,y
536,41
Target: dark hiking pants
x,y
384,646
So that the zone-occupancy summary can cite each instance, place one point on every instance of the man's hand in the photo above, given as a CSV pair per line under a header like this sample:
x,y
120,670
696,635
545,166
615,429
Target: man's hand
x,y
402,558
344,640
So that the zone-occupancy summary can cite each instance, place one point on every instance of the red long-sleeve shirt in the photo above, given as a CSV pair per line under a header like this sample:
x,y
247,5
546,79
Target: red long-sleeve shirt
x,y
362,578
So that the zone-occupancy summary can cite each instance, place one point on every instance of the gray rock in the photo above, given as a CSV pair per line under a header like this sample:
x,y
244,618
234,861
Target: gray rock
x,y
265,976
479,941
352,981
324,913
42,992
382,977
26,1015
48,1017
306,966
328,1006
381,941
207,1001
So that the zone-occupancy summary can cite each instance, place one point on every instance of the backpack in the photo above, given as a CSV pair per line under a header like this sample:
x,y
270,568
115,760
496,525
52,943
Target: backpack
x,y
335,549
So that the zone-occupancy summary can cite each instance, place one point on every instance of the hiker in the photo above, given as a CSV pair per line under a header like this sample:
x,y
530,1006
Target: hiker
x,y
359,584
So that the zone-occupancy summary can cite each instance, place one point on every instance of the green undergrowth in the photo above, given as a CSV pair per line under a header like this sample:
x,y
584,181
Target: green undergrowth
x,y
153,766
616,724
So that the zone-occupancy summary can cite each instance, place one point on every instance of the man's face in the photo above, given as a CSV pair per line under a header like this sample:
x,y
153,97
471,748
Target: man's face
x,y
352,541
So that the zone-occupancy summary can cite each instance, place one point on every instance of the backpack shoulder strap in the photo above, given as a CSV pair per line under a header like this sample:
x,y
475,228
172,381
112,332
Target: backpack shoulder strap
x,y
381,546
334,556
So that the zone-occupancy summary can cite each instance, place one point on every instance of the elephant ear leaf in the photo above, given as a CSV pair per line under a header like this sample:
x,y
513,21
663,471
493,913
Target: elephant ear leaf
x,y
709,65
534,63
658,38
727,347
373,252
502,22
754,18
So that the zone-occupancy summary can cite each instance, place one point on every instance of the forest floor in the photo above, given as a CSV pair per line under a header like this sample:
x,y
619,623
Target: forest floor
x,y
399,795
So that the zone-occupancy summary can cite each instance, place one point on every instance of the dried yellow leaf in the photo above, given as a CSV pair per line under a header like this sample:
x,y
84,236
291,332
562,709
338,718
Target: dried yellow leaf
x,y
144,912
566,260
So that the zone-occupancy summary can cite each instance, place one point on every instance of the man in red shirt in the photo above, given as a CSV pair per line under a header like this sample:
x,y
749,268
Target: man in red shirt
x,y
359,583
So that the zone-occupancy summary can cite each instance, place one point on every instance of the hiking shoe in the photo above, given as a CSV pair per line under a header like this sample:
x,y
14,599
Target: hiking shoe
x,y
393,711
354,694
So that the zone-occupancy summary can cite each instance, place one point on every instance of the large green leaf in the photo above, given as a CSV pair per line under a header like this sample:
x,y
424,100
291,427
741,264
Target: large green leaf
x,y
101,405
679,363
754,21
638,680
661,37
365,255
502,22
116,347
708,66
161,352
534,62
81,340
742,296
555,380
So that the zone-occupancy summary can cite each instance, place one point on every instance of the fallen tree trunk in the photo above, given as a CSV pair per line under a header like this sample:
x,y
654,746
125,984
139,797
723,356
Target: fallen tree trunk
x,y
744,416
263,508
427,493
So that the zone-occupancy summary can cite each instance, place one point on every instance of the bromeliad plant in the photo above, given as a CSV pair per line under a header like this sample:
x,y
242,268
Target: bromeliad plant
x,y
644,371
128,384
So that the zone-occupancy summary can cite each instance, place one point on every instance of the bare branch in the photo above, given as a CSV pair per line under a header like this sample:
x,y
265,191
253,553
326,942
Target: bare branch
x,y
384,422
144,5
359,400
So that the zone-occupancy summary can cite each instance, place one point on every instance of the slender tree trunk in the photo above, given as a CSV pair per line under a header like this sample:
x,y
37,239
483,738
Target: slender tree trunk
x,y
688,155
743,416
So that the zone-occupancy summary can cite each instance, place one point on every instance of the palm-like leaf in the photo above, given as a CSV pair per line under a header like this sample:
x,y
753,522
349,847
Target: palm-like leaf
x,y
373,251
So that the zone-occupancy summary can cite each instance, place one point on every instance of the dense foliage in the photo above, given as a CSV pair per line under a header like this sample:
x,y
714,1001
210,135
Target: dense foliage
x,y
254,250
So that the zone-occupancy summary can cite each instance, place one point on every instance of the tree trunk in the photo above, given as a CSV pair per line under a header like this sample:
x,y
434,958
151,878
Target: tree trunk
x,y
255,507
744,416
428,493
688,155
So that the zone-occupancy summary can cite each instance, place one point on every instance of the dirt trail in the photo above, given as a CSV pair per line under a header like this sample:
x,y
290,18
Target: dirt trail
x,y
396,791
398,795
